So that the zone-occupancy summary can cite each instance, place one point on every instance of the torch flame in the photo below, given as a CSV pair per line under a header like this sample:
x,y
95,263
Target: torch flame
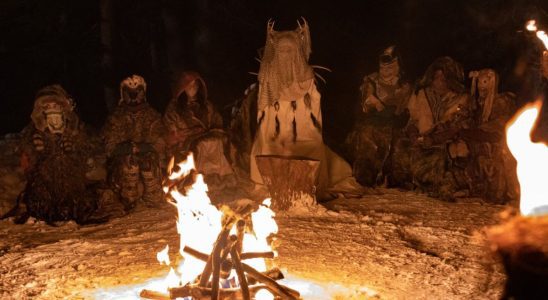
x,y
531,25
532,160
543,37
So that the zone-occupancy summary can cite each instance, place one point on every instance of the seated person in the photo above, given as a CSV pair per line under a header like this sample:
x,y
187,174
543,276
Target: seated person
x,y
289,119
382,116
493,169
54,151
194,125
438,111
134,143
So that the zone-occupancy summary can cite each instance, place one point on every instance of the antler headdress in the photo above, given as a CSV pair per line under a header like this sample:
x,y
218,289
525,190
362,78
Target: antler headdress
x,y
284,62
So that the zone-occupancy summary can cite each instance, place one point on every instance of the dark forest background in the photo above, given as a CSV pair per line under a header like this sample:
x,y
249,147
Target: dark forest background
x,y
90,46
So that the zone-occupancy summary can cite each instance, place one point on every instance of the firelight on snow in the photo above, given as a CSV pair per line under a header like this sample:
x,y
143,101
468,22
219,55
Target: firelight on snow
x,y
199,223
532,160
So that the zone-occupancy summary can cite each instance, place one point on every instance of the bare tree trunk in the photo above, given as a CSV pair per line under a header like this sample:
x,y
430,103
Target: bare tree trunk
x,y
106,62
172,38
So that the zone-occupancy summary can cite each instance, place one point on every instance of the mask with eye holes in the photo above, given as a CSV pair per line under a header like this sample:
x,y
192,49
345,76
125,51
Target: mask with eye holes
x,y
53,110
133,91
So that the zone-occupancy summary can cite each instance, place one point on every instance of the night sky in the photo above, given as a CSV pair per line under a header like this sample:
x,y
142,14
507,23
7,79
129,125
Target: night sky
x,y
45,42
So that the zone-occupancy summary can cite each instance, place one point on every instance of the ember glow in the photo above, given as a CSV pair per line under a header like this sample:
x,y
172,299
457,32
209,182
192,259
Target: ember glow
x,y
532,160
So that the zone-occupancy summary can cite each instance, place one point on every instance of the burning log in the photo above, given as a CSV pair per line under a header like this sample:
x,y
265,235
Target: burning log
x,y
214,257
240,227
201,293
194,291
240,272
218,263
246,255
280,290
273,273
243,256
226,265
148,294
199,255
251,255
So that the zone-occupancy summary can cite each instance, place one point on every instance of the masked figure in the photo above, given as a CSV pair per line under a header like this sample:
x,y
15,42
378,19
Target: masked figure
x,y
493,165
54,151
383,114
439,110
289,119
194,125
134,143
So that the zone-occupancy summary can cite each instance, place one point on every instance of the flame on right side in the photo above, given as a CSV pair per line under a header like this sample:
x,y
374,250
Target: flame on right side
x,y
532,160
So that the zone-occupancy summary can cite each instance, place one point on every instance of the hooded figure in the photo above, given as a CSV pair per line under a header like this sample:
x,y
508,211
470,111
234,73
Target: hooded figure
x,y
189,113
195,126
54,147
134,143
289,118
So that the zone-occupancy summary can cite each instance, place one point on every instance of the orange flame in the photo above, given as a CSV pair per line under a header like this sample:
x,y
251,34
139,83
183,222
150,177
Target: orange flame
x,y
532,160
199,223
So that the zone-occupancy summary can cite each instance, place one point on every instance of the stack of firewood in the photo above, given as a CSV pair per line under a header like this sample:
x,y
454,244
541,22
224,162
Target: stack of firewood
x,y
227,255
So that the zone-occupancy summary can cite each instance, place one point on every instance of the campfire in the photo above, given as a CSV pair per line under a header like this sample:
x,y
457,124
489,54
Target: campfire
x,y
223,251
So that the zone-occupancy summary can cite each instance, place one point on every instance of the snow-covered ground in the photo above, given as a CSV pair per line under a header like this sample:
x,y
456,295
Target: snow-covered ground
x,y
397,245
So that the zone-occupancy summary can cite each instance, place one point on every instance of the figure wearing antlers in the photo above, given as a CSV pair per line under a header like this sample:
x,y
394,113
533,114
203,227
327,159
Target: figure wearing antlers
x,y
289,119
